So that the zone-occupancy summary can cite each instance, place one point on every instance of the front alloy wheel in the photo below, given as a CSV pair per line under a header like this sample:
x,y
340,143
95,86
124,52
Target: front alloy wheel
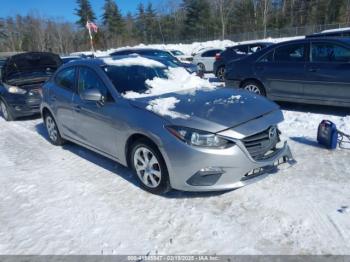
x,y
5,111
52,130
221,73
254,88
149,167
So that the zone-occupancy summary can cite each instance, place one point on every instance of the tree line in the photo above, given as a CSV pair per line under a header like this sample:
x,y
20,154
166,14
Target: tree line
x,y
169,22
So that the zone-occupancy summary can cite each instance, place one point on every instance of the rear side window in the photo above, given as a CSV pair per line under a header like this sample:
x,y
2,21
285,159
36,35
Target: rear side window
x,y
255,48
211,53
66,78
243,49
329,52
290,53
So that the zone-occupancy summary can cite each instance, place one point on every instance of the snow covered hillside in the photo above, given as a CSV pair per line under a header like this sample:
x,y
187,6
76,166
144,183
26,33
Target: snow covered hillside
x,y
71,201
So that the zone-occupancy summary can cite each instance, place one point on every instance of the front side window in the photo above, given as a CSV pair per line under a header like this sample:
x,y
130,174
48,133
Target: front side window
x,y
66,78
290,53
88,79
267,57
329,52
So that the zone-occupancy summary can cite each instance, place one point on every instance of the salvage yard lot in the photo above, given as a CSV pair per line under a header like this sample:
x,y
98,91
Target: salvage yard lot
x,y
72,201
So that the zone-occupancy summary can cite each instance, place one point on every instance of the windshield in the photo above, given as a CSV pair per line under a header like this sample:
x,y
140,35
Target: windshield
x,y
133,78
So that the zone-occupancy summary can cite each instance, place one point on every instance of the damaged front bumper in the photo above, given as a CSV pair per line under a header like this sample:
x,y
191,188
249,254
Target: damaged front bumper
x,y
215,170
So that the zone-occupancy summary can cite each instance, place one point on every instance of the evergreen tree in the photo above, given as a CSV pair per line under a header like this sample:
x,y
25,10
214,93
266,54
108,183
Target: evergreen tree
x,y
113,23
84,12
198,19
141,22
150,23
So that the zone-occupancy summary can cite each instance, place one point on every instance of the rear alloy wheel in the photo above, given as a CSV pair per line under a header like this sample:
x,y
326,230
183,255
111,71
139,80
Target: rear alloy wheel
x,y
52,130
150,167
221,73
6,114
201,67
254,87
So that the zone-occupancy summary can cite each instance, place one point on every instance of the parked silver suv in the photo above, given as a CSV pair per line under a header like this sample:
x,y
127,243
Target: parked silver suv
x,y
162,123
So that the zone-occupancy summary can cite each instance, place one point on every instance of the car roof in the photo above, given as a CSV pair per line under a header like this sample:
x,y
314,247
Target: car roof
x,y
254,43
99,62
138,49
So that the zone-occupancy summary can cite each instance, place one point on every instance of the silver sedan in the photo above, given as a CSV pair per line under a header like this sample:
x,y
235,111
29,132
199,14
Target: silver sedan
x,y
188,138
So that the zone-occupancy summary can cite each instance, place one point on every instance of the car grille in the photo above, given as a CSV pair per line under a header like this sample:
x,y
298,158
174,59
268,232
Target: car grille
x,y
260,145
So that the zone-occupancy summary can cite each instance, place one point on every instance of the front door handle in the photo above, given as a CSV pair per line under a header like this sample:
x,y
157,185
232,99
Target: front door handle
x,y
53,98
313,69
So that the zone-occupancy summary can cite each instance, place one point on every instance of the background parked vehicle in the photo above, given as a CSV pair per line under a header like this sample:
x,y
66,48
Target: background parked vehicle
x,y
181,56
233,53
66,59
205,59
192,68
340,32
22,76
90,108
312,70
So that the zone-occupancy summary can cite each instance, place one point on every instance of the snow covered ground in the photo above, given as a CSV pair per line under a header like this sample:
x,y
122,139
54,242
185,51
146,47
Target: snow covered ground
x,y
69,200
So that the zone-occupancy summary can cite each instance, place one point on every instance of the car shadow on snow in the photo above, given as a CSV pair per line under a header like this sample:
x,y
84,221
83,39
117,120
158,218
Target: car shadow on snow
x,y
306,141
316,109
118,169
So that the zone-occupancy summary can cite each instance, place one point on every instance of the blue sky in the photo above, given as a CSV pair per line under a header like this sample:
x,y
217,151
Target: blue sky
x,y
62,8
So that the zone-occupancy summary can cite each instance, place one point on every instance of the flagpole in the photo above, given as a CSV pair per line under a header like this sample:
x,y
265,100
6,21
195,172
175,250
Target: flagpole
x,y
91,39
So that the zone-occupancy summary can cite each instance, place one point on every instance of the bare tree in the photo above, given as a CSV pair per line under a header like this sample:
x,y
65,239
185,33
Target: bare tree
x,y
225,8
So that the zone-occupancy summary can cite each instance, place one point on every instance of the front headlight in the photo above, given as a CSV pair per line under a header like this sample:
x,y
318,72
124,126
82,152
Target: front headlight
x,y
199,138
16,90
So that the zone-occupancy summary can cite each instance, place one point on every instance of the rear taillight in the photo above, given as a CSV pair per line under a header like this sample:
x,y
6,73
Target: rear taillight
x,y
217,56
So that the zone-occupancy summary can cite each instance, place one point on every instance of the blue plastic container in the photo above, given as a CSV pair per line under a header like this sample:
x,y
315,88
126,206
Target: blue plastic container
x,y
327,134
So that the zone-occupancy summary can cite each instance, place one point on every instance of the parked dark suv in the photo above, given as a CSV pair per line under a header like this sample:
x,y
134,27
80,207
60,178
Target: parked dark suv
x,y
22,76
233,53
312,70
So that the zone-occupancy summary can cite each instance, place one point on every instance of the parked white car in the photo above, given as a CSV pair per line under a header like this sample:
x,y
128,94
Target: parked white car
x,y
181,56
205,59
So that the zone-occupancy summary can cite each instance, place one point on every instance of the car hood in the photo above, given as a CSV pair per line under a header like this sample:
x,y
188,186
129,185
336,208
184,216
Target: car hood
x,y
31,62
209,110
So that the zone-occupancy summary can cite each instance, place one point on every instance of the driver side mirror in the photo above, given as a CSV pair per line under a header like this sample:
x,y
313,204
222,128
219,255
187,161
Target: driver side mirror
x,y
93,95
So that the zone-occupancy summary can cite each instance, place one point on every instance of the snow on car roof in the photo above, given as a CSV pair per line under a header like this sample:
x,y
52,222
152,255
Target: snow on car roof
x,y
336,30
133,61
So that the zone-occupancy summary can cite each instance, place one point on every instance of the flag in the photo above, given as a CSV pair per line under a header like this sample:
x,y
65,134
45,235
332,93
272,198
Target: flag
x,y
91,26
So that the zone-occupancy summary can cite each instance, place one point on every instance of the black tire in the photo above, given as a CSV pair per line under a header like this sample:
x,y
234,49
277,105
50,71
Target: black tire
x,y
254,87
5,111
52,130
220,73
162,184
201,67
